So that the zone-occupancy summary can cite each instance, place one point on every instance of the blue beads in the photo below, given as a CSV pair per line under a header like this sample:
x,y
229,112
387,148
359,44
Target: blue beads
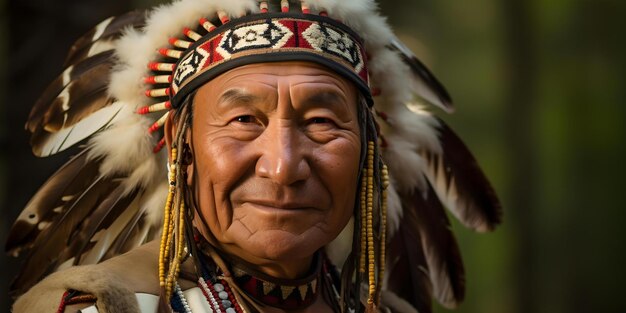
x,y
223,295
218,287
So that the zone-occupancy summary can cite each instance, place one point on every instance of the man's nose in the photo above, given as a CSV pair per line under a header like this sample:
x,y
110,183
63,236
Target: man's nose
x,y
283,158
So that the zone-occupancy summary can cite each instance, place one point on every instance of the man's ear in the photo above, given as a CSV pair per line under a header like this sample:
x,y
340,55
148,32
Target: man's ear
x,y
169,129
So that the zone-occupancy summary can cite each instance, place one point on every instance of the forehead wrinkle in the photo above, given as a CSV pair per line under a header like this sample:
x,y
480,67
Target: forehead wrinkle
x,y
328,79
237,77
336,86
236,86
237,95
328,95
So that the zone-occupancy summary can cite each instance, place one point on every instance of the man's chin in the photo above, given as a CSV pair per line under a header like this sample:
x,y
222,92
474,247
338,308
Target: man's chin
x,y
280,246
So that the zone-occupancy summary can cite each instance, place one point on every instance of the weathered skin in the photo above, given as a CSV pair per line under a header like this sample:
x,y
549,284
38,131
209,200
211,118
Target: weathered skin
x,y
275,162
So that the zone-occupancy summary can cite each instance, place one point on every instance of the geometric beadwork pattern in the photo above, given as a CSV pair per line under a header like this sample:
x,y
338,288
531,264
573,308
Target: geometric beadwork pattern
x,y
326,39
272,37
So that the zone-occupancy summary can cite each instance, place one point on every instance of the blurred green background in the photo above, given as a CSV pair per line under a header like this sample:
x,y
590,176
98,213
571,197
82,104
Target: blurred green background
x,y
540,91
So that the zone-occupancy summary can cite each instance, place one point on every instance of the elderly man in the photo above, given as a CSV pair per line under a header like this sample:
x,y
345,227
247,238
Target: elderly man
x,y
298,179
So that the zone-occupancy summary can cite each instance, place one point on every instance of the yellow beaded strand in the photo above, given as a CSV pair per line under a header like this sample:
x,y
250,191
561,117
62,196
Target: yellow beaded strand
x,y
363,222
166,220
168,253
179,252
166,237
383,226
370,227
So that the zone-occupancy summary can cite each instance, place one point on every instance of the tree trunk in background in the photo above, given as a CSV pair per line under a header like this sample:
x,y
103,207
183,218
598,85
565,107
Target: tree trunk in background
x,y
40,34
519,67
589,58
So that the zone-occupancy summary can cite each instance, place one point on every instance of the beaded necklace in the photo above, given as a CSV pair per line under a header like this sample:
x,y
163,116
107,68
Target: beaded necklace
x,y
216,291
294,295
279,293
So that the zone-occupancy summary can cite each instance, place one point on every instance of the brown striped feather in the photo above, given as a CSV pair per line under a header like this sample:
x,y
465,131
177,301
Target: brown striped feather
x,y
80,91
440,248
79,99
460,183
425,84
50,202
408,270
103,35
135,233
74,107
100,63
46,144
44,257
92,239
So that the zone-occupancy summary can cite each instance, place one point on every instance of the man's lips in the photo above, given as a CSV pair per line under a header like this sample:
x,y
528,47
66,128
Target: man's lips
x,y
279,205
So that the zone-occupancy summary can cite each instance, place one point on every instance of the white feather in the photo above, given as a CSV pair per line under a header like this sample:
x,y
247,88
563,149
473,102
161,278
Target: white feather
x,y
389,73
394,210
126,148
127,80
417,125
155,200
405,165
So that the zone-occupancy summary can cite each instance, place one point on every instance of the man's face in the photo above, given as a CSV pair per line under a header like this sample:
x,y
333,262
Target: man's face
x,y
275,159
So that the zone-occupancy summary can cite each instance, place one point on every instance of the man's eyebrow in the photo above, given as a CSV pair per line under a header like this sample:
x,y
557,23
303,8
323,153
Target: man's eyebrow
x,y
326,97
237,95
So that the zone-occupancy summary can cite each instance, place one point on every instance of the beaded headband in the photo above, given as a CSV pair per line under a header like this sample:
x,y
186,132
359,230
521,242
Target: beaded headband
x,y
268,38
257,38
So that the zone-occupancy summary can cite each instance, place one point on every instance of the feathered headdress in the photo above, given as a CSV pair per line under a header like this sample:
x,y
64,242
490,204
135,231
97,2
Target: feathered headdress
x,y
123,77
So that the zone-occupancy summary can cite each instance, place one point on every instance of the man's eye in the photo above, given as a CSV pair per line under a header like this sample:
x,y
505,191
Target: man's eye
x,y
245,119
320,124
319,120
